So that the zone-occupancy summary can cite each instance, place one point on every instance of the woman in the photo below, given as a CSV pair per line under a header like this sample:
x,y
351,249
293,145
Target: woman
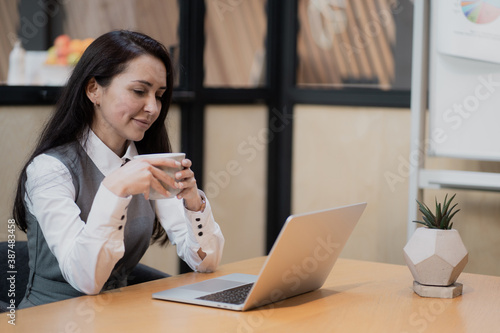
x,y
83,199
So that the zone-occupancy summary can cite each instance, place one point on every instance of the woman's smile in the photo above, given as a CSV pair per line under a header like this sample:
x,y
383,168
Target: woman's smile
x,y
142,123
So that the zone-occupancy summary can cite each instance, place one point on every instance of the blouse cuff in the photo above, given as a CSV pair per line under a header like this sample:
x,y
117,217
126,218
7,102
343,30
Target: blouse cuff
x,y
107,207
202,225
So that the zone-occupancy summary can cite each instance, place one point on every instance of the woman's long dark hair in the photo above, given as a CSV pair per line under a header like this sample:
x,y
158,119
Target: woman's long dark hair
x,y
105,58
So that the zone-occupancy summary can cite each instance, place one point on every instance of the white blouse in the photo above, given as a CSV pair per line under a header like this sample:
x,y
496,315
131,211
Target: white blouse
x,y
87,252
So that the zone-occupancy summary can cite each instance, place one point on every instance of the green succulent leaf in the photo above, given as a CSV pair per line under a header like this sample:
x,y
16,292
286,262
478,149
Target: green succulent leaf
x,y
427,221
444,223
426,211
439,214
447,204
421,223
451,216
441,217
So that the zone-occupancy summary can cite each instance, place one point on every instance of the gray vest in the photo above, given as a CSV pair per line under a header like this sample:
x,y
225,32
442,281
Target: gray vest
x,y
46,283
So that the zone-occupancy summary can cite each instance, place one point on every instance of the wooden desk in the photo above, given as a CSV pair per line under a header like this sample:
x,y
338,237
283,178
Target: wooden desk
x,y
357,297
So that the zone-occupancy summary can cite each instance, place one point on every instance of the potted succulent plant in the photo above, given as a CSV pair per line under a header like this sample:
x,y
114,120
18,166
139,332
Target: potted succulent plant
x,y
436,254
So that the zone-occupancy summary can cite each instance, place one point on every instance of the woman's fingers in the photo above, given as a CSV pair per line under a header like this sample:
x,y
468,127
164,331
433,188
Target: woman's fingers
x,y
164,177
180,179
183,175
186,163
163,162
158,187
159,174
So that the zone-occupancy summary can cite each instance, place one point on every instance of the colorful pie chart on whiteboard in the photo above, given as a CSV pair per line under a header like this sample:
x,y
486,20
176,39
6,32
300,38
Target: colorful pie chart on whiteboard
x,y
481,11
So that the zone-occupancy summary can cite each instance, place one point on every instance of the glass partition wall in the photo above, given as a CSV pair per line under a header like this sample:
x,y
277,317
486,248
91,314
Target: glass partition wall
x,y
347,43
265,55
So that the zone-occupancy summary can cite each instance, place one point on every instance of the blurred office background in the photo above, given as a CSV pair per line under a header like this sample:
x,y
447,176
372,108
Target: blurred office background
x,y
283,106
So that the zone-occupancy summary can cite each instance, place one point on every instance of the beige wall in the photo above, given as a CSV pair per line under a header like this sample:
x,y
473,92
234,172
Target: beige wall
x,y
19,130
339,158
344,155
235,176
341,155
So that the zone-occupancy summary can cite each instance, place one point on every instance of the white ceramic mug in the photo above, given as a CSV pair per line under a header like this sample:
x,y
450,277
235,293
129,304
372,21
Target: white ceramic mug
x,y
153,195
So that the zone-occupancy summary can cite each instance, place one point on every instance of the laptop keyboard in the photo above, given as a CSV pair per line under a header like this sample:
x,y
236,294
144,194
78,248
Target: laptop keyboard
x,y
235,295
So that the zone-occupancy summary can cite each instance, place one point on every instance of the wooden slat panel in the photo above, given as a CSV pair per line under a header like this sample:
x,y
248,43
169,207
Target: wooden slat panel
x,y
362,53
328,61
383,42
9,21
390,6
355,40
234,45
370,30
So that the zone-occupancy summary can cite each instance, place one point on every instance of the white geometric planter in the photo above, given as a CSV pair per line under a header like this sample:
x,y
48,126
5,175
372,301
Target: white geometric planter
x,y
435,257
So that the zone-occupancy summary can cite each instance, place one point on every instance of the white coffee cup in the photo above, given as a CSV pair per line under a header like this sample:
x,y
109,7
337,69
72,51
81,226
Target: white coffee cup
x,y
153,195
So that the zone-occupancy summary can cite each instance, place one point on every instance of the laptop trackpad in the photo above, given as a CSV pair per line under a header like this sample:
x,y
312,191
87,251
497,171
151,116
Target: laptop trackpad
x,y
213,285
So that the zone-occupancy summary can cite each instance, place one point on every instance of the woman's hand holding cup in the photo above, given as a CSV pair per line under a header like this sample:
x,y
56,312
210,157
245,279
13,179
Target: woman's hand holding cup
x,y
152,175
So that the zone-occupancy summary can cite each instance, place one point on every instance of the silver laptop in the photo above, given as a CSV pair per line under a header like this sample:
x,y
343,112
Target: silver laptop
x,y
301,259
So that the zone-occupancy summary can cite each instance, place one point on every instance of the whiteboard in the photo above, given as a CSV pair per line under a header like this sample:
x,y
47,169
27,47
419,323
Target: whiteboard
x,y
464,88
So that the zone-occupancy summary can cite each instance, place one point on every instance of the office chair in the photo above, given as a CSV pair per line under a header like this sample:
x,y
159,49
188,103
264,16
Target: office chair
x,y
140,274
143,273
21,274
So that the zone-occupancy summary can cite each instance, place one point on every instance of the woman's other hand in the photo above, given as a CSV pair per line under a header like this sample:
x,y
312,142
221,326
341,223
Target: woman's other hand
x,y
189,189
